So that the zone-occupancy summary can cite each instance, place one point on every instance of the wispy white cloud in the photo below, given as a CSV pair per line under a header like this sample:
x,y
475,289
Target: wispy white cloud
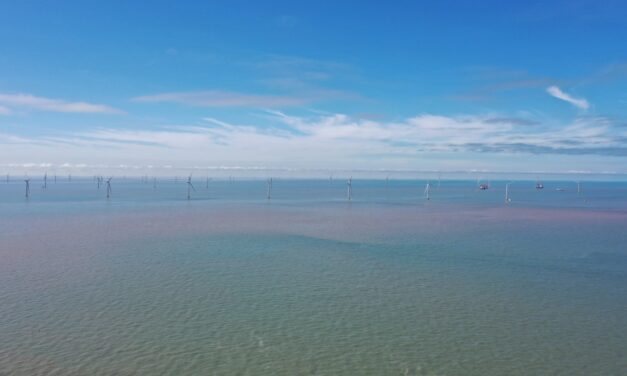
x,y
4,110
29,101
559,94
332,141
218,98
7,138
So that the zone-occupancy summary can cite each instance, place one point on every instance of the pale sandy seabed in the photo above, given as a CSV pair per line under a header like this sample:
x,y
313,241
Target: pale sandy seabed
x,y
328,289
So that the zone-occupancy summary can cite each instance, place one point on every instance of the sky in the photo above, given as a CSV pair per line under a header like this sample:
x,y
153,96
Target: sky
x,y
534,86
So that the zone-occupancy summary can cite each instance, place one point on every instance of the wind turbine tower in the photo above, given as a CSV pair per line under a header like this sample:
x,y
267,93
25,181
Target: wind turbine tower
x,y
109,187
27,188
349,186
190,187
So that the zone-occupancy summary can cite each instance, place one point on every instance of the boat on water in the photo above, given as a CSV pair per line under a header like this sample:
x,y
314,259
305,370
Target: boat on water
x,y
484,186
539,185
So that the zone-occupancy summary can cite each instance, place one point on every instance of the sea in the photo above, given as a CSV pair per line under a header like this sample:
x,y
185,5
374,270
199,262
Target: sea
x,y
308,282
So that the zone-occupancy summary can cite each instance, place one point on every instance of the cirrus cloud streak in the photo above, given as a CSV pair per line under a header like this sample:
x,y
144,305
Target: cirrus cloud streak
x,y
218,98
32,102
559,94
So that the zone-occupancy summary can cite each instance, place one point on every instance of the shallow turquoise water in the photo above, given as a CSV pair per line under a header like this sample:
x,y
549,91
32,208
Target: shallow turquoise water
x,y
389,284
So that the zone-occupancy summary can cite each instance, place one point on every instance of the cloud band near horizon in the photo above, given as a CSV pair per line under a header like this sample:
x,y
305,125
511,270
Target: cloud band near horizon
x,y
327,141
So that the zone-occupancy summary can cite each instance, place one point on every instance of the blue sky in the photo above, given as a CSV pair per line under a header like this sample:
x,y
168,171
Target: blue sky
x,y
451,86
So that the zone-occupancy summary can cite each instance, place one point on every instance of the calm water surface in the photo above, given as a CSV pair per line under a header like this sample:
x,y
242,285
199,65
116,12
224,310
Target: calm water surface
x,y
308,284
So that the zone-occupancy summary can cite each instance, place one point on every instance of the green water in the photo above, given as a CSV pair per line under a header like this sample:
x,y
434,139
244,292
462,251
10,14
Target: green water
x,y
314,290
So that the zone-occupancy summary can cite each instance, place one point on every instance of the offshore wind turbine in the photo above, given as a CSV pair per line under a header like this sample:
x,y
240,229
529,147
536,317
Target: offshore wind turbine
x,y
349,186
269,195
27,188
154,183
190,186
8,177
109,187
427,191
507,198
45,181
